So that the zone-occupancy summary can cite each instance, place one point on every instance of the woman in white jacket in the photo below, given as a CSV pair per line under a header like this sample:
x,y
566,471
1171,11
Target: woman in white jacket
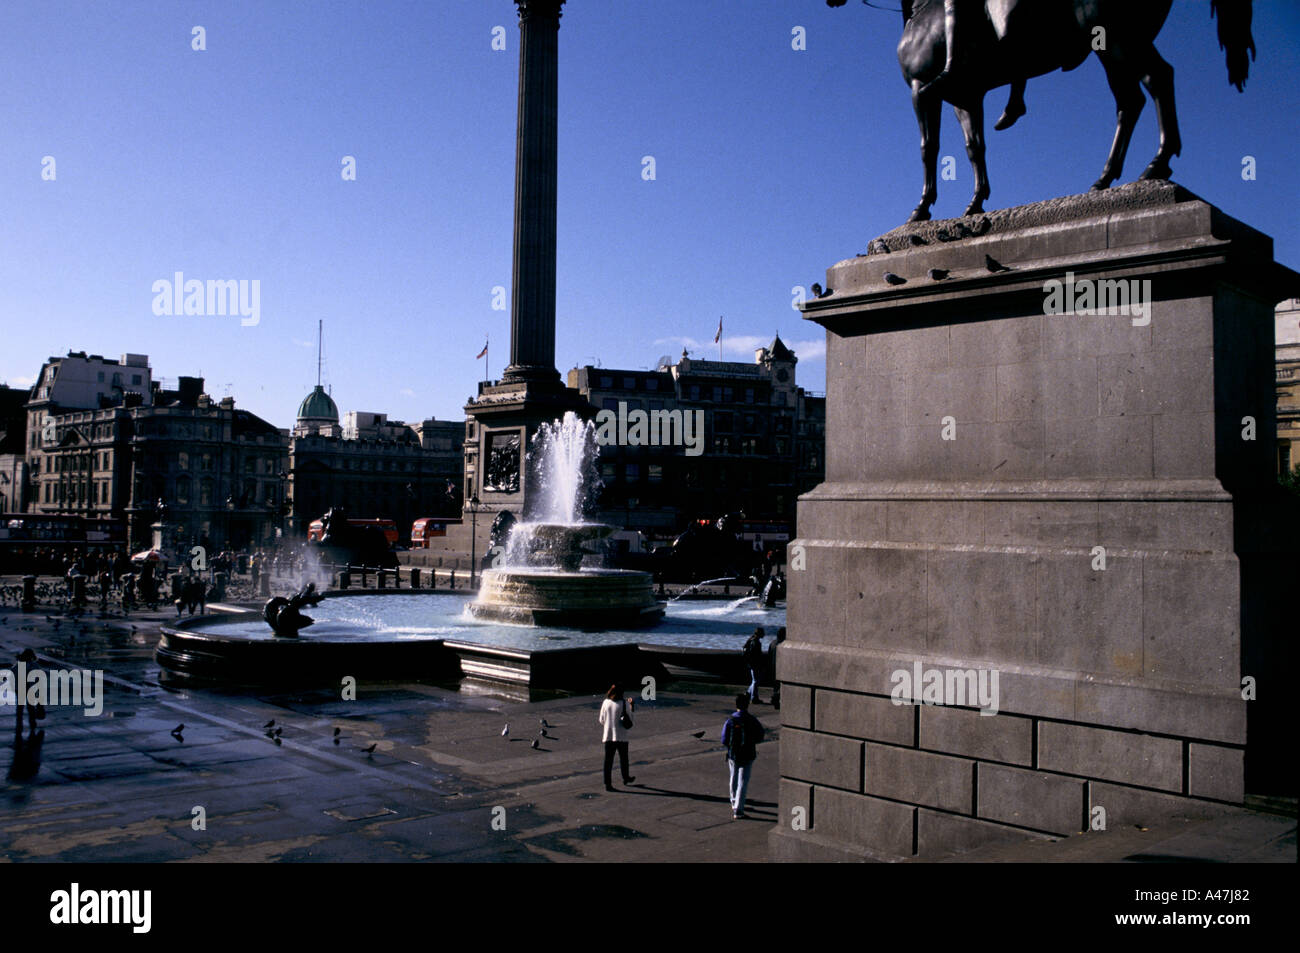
x,y
612,712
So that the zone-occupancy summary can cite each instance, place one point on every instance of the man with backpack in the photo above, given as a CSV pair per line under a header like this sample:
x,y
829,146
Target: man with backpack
x,y
741,733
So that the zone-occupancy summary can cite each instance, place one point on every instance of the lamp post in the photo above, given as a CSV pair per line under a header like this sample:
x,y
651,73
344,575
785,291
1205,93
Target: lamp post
x,y
475,507
230,516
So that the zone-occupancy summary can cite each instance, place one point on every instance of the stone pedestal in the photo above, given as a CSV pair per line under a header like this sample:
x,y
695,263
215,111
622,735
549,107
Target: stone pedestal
x,y
1073,503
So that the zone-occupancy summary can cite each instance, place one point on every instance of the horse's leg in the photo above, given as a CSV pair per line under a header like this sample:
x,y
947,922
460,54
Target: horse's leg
x,y
1015,107
1159,81
927,117
1128,106
972,127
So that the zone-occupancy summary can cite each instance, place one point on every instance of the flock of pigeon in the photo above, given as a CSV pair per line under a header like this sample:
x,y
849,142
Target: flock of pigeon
x,y
273,732
956,233
536,743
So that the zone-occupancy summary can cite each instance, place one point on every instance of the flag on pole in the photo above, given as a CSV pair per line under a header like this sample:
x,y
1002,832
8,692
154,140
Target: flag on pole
x,y
718,337
482,352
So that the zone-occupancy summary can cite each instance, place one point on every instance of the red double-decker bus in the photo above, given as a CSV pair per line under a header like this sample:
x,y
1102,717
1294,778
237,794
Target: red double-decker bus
x,y
428,528
317,529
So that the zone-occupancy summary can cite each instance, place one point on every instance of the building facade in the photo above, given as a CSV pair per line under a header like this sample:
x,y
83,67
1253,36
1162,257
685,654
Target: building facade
x,y
13,449
372,466
1286,344
106,441
762,444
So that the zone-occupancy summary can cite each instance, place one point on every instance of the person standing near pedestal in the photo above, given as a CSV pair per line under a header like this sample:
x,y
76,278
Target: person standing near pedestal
x,y
752,653
617,721
741,734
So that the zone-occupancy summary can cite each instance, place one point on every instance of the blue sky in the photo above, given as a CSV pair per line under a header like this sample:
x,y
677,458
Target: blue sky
x,y
771,164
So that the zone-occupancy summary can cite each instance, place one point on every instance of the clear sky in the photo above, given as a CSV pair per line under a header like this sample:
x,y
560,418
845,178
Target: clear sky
x,y
770,165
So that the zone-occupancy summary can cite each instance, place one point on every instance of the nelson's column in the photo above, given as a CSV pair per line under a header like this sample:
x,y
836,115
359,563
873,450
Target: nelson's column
x,y
506,413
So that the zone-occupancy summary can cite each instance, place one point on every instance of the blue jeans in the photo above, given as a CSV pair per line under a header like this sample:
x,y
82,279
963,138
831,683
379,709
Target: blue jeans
x,y
753,684
739,784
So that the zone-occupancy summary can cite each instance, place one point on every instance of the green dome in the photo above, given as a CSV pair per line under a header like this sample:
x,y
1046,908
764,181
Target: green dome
x,y
318,405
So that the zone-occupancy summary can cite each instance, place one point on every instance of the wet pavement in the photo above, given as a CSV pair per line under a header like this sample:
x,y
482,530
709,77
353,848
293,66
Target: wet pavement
x,y
418,772
441,783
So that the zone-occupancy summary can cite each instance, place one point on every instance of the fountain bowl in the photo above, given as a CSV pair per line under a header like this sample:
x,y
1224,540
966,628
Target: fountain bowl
x,y
592,598
544,584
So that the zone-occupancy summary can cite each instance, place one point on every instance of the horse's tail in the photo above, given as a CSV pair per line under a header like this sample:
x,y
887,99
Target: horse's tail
x,y
1234,36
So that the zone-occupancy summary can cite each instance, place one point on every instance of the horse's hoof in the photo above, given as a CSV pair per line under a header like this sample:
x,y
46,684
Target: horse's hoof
x,y
1155,170
1008,118
920,215
975,208
1100,185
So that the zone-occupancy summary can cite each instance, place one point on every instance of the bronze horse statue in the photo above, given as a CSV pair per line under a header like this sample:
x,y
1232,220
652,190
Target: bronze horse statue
x,y
1006,42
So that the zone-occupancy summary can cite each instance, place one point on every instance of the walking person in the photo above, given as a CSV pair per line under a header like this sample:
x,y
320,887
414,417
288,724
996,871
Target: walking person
x,y
752,653
616,718
741,734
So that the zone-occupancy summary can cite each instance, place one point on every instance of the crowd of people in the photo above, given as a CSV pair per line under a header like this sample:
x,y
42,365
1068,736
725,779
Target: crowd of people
x,y
112,577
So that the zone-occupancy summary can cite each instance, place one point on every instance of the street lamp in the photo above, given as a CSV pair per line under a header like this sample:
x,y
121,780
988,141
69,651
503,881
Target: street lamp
x,y
475,507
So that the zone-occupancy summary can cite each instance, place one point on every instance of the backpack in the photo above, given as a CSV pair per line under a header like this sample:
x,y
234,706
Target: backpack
x,y
738,749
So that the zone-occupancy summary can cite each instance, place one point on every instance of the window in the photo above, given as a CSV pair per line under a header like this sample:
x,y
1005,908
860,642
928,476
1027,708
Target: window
x,y
728,395
656,405
101,377
183,490
135,380
205,492
652,383
609,403
606,381
749,395
655,473
608,473
695,392
717,393
722,421
629,383
183,460
250,464
632,472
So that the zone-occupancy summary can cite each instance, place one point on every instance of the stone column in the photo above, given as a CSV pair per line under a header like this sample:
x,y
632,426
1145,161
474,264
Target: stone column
x,y
532,305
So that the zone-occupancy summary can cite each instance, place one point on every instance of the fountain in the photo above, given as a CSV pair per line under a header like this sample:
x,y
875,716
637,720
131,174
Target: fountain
x,y
542,580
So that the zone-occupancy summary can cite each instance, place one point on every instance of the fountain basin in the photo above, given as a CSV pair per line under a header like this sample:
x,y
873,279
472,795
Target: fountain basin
x,y
421,635
595,599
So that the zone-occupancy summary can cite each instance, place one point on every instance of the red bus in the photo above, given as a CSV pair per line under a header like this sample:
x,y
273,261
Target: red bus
x,y
429,527
317,529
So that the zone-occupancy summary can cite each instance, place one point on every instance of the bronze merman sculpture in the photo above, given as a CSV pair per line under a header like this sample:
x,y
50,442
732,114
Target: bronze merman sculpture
x,y
955,51
283,614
